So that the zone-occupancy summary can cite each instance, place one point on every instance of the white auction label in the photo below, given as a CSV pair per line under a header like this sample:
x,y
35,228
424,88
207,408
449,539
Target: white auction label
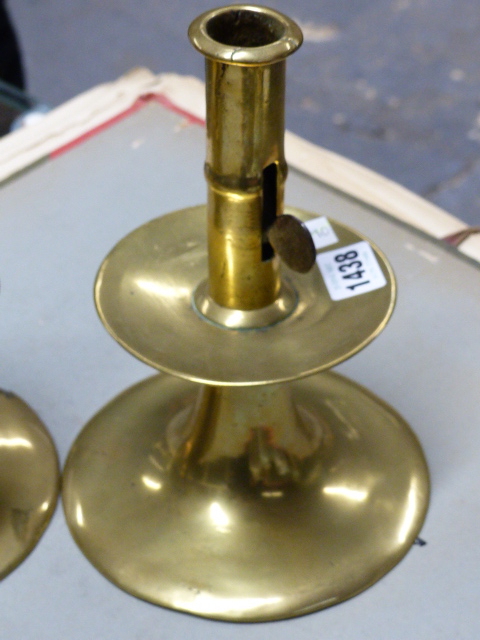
x,y
350,271
321,231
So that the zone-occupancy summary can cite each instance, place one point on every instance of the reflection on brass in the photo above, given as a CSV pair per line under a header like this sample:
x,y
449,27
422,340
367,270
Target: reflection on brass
x,y
29,481
273,488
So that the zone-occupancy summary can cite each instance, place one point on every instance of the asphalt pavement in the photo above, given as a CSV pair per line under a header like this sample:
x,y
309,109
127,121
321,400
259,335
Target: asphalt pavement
x,y
392,84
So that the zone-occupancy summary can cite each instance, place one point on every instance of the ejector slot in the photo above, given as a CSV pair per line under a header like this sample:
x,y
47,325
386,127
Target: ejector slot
x,y
269,207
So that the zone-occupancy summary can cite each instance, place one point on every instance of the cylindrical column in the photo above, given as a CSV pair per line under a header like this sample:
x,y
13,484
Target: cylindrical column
x,y
259,431
245,48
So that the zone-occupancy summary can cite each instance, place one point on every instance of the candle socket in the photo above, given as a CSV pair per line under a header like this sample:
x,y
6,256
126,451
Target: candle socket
x,y
245,49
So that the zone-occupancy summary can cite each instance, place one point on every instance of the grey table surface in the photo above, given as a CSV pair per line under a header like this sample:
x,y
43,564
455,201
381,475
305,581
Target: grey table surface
x,y
392,84
57,223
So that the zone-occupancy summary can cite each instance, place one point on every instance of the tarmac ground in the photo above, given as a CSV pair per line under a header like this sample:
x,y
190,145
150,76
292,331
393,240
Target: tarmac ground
x,y
392,84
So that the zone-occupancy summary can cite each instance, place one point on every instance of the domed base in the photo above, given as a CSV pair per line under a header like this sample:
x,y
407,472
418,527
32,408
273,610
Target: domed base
x,y
268,531
29,481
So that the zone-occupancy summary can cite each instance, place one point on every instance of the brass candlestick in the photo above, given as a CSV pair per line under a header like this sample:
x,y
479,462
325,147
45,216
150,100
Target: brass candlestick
x,y
237,484
29,480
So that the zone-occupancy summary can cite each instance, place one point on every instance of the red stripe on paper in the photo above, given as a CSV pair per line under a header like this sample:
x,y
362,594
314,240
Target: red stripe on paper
x,y
136,106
